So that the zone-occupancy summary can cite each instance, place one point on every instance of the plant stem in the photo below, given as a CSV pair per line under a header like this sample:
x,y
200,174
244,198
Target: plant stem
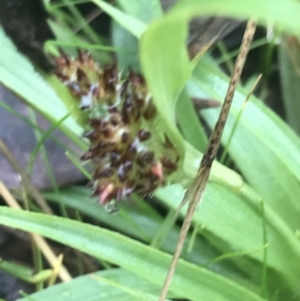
x,y
195,192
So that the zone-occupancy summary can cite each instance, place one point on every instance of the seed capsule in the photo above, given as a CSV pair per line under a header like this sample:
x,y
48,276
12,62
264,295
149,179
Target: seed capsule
x,y
125,137
104,173
124,170
168,163
144,135
147,157
115,158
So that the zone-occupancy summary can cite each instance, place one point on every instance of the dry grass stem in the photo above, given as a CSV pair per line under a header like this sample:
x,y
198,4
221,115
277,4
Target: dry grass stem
x,y
195,192
40,241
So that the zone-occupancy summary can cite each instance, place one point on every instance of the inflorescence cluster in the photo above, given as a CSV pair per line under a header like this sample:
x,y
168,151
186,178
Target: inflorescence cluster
x,y
129,154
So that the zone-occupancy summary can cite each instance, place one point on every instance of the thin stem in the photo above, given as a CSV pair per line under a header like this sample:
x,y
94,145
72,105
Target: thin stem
x,y
25,179
197,188
39,241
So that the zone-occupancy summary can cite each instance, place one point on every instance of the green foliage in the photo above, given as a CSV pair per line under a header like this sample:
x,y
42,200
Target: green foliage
x,y
118,284
289,76
129,254
246,247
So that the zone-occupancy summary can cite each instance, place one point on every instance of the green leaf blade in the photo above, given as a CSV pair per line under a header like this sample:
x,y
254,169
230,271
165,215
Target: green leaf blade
x,y
191,281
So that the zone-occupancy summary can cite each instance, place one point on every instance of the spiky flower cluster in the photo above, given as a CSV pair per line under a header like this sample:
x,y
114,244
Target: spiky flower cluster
x,y
128,153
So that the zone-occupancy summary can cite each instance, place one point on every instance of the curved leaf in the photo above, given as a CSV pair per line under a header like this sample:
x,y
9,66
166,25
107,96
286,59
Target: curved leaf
x,y
97,286
190,281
